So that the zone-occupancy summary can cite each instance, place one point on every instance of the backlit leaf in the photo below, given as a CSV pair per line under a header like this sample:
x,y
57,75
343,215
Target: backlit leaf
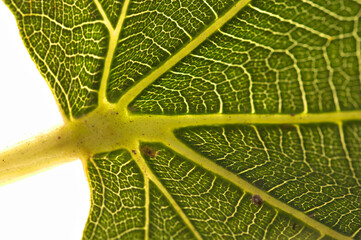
x,y
208,119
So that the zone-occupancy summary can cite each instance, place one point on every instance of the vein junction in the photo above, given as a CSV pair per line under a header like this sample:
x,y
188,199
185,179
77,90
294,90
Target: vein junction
x,y
108,129
113,41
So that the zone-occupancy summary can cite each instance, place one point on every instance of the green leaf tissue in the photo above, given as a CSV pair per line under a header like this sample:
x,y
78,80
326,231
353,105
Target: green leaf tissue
x,y
202,119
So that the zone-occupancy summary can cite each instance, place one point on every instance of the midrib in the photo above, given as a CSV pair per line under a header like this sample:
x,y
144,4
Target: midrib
x,y
184,51
113,39
178,121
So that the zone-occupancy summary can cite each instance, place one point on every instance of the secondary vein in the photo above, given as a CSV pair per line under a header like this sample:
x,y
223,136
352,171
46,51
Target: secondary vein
x,y
113,40
188,48
106,21
147,172
204,162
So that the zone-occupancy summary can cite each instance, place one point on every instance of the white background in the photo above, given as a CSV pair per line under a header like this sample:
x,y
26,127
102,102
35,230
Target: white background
x,y
53,205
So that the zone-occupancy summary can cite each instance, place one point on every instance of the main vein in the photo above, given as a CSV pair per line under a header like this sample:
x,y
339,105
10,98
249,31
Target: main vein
x,y
113,40
178,121
188,48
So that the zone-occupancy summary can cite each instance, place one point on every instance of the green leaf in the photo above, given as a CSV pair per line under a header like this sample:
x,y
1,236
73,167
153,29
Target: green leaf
x,y
203,119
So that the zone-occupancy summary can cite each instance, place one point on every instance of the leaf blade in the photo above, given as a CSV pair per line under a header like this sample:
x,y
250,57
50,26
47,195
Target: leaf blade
x,y
261,64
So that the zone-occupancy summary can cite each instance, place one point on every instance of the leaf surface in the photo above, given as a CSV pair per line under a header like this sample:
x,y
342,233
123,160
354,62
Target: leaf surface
x,y
209,119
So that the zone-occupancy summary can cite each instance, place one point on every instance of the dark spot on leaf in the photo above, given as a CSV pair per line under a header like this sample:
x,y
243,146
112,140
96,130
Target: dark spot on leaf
x,y
59,137
257,200
292,114
294,226
134,152
149,151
